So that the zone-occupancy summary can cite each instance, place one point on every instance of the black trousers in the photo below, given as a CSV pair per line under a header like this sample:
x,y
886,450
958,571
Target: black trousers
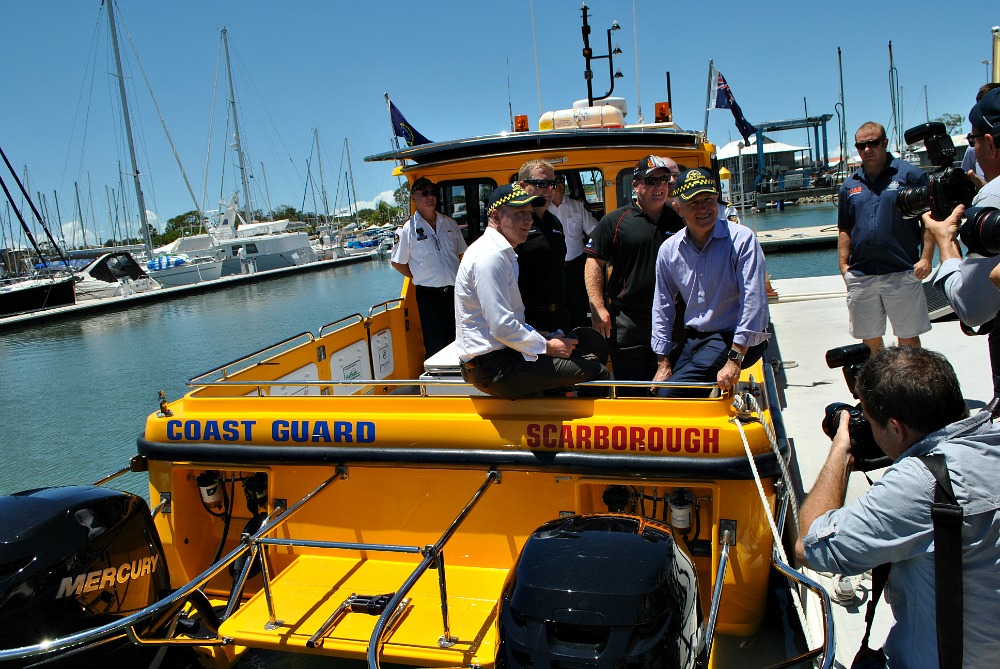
x,y
701,358
576,292
436,307
505,373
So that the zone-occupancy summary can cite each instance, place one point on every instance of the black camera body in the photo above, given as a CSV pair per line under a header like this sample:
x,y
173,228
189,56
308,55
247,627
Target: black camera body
x,y
949,186
981,231
867,453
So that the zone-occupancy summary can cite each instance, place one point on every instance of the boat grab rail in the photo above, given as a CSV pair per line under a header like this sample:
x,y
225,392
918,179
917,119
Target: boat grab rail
x,y
224,369
127,624
341,323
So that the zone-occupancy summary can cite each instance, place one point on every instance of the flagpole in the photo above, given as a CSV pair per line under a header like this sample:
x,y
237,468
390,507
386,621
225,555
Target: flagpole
x,y
388,109
708,94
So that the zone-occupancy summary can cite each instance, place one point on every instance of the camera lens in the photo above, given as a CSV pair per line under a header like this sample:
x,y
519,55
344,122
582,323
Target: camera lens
x,y
981,231
912,202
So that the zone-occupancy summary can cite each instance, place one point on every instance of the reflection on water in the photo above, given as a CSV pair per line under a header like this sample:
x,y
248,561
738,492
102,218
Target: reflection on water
x,y
74,394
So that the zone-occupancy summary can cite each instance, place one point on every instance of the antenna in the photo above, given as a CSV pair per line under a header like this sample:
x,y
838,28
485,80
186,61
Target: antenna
x,y
638,87
538,78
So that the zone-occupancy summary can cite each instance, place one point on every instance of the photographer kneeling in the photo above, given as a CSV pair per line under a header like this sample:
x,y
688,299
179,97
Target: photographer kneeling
x,y
966,282
914,403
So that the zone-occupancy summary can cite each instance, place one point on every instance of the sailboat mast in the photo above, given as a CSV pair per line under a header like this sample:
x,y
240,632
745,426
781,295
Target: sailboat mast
x,y
322,185
353,194
128,130
247,215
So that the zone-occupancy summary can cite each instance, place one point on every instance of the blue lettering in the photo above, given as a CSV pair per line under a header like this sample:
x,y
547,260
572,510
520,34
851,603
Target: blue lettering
x,y
342,431
300,430
212,432
321,431
248,429
173,427
192,430
279,430
230,430
366,432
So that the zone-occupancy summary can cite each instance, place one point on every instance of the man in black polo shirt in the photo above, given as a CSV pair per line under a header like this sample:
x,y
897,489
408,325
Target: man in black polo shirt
x,y
540,258
629,239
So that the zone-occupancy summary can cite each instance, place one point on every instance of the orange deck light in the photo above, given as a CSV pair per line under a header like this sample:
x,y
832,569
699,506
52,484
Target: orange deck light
x,y
662,113
521,123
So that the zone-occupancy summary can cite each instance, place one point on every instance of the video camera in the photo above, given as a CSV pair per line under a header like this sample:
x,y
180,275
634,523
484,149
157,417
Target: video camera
x,y
867,453
949,186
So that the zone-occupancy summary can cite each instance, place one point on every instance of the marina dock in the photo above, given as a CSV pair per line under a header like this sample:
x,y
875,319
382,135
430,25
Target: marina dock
x,y
820,236
118,303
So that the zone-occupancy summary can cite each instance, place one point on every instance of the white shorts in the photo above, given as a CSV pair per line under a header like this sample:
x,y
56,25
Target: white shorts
x,y
900,296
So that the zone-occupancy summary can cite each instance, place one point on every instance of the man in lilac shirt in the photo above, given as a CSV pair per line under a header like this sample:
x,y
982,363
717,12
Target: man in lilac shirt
x,y
717,267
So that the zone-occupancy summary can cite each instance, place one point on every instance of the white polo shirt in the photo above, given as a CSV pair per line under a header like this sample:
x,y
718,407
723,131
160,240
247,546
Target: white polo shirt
x,y
430,252
578,224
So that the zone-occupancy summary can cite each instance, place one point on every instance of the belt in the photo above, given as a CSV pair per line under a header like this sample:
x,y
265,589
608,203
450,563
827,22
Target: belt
x,y
691,333
544,307
440,289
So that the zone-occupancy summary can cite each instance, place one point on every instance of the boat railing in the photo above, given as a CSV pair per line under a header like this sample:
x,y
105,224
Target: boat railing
x,y
247,360
255,545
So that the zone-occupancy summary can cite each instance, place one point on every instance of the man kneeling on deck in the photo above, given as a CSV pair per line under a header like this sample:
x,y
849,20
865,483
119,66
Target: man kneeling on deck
x,y
718,269
500,354
913,401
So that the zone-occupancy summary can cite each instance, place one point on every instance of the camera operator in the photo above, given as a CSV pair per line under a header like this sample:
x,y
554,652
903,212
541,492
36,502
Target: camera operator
x,y
914,403
966,282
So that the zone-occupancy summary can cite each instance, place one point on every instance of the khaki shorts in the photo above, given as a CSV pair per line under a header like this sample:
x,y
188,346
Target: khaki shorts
x,y
900,296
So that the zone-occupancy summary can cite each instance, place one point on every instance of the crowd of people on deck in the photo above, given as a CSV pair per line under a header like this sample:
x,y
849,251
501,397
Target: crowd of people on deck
x,y
683,302
548,293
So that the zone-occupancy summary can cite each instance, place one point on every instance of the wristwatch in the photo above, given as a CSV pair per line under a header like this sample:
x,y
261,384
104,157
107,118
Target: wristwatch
x,y
735,356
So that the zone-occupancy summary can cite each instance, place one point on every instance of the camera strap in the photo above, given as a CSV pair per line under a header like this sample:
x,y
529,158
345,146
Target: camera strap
x,y
948,594
984,329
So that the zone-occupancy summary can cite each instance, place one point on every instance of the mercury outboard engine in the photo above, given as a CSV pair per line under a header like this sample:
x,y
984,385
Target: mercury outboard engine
x,y
73,558
601,591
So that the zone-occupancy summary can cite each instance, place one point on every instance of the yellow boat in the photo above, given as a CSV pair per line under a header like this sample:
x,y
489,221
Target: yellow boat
x,y
336,495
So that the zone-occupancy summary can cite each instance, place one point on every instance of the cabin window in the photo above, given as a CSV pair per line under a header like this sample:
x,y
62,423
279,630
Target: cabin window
x,y
466,201
586,185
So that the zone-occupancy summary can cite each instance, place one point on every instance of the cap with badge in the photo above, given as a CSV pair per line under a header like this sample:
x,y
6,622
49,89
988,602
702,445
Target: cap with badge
x,y
986,114
513,195
694,182
422,183
649,164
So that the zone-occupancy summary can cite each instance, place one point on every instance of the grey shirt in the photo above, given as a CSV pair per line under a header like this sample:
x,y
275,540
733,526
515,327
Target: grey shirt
x,y
966,281
892,523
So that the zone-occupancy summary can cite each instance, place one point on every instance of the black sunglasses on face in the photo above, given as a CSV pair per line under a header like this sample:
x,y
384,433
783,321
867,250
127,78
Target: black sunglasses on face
x,y
971,139
870,144
541,183
427,193
664,179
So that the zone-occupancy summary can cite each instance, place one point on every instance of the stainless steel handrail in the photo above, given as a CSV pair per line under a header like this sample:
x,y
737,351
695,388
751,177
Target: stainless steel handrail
x,y
430,557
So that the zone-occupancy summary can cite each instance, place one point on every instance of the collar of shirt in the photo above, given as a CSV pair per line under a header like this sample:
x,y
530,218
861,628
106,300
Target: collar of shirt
x,y
975,424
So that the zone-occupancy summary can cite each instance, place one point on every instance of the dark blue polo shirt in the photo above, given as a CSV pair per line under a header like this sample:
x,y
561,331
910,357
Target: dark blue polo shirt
x,y
881,241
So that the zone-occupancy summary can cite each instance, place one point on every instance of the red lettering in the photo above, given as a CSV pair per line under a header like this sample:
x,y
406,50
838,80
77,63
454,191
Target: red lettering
x,y
532,435
619,438
674,439
692,439
548,436
566,440
711,438
600,437
637,437
654,438
583,436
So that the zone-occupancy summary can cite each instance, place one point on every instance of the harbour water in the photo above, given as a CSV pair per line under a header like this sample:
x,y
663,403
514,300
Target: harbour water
x,y
74,394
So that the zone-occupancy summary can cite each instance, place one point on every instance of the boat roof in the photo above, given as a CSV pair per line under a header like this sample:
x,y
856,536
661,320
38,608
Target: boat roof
x,y
638,136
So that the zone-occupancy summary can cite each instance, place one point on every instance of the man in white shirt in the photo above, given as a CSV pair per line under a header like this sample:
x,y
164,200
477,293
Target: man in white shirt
x,y
500,354
578,224
428,249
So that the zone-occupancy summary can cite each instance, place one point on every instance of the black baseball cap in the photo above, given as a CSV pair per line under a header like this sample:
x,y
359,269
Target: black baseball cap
x,y
694,182
986,114
512,195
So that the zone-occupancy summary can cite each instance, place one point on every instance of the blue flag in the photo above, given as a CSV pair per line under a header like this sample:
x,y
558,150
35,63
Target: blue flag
x,y
403,129
724,100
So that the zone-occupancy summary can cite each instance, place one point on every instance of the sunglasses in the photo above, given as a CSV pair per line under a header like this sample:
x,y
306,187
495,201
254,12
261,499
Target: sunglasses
x,y
870,144
542,183
972,139
664,179
426,193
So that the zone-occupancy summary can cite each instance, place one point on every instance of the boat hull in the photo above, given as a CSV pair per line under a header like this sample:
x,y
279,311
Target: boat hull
x,y
36,294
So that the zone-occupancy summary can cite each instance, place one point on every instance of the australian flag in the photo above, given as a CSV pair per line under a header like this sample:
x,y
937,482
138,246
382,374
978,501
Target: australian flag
x,y
403,129
724,100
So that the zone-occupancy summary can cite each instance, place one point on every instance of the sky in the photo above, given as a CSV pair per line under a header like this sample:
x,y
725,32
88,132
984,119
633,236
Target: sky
x,y
454,68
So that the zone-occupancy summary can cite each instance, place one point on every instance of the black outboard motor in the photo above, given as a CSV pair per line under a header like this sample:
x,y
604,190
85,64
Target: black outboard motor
x,y
601,591
73,558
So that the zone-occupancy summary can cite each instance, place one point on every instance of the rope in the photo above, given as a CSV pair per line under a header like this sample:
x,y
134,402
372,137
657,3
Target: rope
x,y
796,599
